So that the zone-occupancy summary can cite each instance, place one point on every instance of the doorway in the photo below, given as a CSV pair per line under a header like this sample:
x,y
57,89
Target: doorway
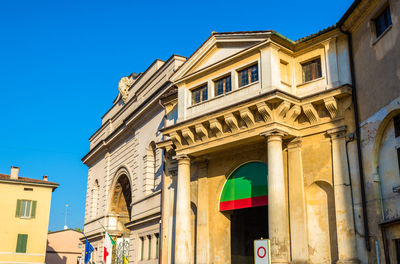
x,y
247,225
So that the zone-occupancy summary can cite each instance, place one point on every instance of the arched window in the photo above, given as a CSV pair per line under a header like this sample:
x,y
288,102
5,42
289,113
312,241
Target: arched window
x,y
95,198
151,169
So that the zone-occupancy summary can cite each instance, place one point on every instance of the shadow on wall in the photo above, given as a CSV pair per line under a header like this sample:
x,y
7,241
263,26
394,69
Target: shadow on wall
x,y
157,178
52,257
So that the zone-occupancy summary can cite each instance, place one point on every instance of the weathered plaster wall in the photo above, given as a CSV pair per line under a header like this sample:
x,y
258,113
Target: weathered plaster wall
x,y
381,172
377,62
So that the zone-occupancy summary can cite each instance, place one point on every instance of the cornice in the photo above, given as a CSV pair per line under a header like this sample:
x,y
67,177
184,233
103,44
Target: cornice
x,y
253,48
359,13
271,111
143,220
19,182
121,130
133,99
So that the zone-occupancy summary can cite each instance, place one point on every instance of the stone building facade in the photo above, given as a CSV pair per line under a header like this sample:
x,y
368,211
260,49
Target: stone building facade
x,y
265,151
125,168
257,136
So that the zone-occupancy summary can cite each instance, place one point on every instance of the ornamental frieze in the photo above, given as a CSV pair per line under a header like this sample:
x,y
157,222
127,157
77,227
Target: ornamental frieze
x,y
274,108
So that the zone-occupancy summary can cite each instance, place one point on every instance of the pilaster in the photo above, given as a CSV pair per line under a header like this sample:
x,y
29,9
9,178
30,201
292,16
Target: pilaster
x,y
343,203
297,209
270,68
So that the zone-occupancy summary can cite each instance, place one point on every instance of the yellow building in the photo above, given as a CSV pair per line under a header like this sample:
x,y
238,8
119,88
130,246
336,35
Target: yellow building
x,y
262,147
24,218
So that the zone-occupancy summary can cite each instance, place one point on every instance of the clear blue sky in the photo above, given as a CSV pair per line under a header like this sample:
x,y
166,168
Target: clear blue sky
x,y
60,63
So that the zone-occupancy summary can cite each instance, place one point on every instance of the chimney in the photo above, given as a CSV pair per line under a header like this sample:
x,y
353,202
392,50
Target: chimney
x,y
14,173
45,178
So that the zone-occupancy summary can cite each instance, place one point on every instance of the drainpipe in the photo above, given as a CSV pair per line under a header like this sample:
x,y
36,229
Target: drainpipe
x,y
358,139
160,242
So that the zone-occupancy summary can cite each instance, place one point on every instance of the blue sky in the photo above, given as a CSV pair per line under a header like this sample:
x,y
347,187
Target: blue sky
x,y
60,63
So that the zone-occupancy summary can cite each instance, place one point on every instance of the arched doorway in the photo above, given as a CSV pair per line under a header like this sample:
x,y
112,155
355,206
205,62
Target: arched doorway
x,y
120,211
244,198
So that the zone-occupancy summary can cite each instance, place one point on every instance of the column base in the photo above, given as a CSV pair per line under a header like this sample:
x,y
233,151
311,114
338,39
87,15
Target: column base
x,y
348,261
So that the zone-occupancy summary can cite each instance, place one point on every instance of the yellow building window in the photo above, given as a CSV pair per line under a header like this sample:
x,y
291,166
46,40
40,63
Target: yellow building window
x,y
26,209
248,75
21,243
311,70
223,85
199,94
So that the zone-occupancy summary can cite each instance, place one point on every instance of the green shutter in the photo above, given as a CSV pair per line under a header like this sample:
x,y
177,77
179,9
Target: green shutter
x,y
18,211
21,243
33,212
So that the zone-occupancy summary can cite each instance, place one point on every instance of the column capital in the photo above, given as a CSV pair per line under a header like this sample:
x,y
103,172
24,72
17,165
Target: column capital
x,y
181,157
336,133
274,134
295,143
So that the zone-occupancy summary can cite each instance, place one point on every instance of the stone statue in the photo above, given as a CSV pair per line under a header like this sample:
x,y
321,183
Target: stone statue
x,y
123,86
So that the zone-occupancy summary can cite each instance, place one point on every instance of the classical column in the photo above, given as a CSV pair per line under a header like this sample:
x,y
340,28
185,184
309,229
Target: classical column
x,y
277,206
183,245
343,202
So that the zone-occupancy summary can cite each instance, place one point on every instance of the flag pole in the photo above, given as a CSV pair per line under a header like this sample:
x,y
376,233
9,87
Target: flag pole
x,y
102,226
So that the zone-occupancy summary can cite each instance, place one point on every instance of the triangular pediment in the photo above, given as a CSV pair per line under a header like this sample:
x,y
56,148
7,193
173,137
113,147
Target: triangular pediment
x,y
218,47
219,52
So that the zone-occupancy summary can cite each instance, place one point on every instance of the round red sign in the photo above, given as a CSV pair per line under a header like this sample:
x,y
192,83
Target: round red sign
x,y
261,252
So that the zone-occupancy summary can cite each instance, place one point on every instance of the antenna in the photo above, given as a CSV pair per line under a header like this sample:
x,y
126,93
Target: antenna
x,y
65,220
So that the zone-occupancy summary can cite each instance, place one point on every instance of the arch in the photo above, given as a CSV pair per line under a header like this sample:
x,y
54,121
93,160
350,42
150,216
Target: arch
x,y
121,192
150,180
321,221
246,186
379,136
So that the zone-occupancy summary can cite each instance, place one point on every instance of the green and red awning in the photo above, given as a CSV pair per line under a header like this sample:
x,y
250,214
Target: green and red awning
x,y
246,187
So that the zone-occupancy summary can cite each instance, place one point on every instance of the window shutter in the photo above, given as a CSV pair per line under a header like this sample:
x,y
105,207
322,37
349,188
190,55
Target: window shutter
x,y
18,211
21,243
33,212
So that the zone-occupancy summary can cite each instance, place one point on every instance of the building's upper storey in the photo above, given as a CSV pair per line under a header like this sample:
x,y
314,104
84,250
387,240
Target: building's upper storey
x,y
137,92
236,66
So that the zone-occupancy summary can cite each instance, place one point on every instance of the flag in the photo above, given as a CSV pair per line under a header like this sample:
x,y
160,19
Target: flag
x,y
108,245
88,250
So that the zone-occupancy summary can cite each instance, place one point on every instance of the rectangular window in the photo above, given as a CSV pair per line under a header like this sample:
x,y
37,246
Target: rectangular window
x,y
142,247
223,85
149,241
383,21
248,75
199,95
26,209
311,70
21,243
157,245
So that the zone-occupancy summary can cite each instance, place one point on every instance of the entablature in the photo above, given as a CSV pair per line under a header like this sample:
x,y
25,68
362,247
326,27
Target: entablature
x,y
245,121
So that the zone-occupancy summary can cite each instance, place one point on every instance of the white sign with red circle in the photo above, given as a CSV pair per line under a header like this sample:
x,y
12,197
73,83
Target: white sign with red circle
x,y
261,251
